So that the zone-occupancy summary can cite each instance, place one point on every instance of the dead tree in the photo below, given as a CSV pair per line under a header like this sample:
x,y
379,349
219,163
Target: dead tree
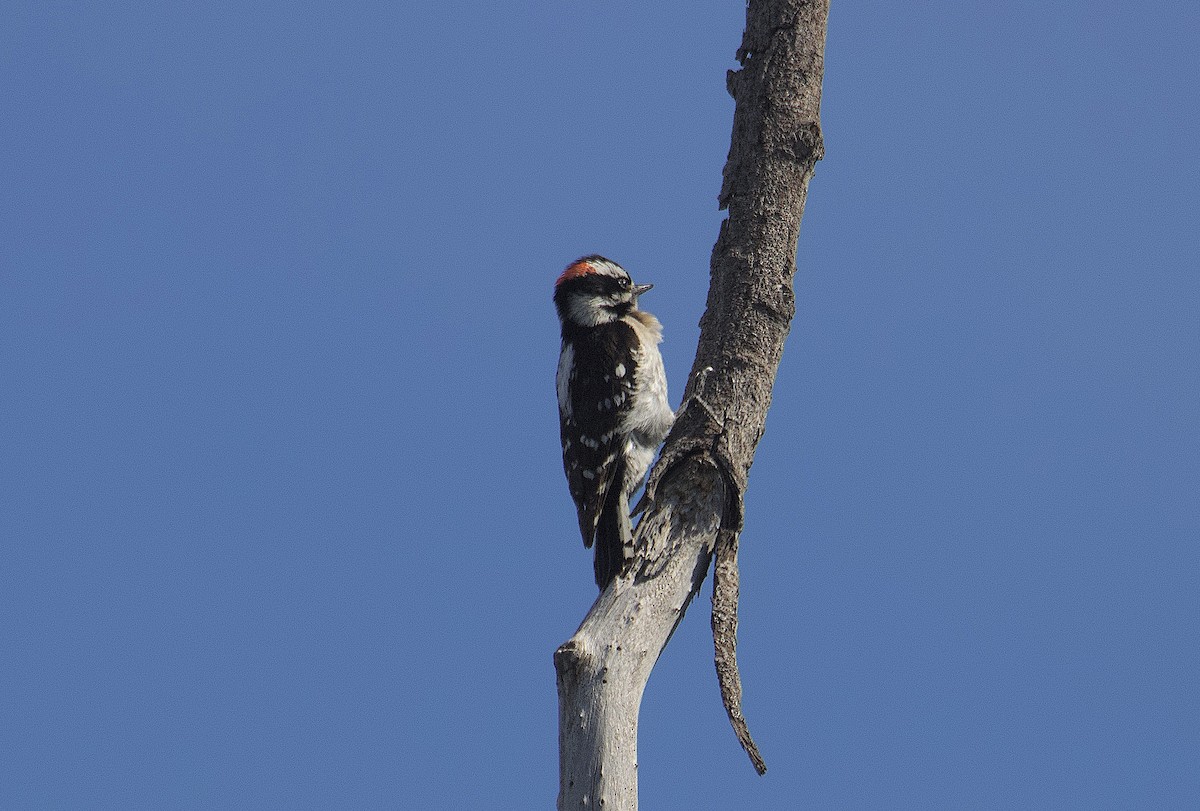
x,y
694,495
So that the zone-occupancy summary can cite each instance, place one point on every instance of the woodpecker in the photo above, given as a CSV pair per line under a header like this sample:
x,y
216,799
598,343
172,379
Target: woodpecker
x,y
612,401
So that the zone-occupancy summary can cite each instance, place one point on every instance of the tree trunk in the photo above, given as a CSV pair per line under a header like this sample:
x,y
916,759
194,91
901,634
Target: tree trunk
x,y
694,495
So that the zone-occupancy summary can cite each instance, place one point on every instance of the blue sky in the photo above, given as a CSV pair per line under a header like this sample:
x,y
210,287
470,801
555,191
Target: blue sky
x,y
283,517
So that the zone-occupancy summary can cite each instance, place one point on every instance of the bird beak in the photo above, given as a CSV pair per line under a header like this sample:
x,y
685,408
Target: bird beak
x,y
638,289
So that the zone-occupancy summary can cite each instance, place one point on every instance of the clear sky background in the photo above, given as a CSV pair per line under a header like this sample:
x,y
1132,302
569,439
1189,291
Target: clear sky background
x,y
282,515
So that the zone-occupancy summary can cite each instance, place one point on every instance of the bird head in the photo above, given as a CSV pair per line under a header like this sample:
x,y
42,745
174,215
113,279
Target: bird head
x,y
594,291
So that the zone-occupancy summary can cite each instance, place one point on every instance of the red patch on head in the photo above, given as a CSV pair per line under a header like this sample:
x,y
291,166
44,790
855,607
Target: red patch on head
x,y
575,270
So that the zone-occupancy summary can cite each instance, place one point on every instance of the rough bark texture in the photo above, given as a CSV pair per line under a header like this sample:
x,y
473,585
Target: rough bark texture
x,y
694,495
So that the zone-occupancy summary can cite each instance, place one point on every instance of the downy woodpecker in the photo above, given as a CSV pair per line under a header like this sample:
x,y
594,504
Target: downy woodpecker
x,y
612,402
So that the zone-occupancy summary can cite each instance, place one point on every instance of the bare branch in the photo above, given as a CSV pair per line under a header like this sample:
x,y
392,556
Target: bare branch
x,y
604,667
694,494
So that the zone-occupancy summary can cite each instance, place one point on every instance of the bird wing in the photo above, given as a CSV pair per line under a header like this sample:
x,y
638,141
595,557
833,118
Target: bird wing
x,y
598,394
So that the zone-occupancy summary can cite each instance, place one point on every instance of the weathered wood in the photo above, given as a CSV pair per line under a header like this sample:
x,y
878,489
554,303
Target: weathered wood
x,y
604,667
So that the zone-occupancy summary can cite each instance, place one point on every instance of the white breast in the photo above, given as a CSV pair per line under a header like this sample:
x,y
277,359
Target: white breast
x,y
653,416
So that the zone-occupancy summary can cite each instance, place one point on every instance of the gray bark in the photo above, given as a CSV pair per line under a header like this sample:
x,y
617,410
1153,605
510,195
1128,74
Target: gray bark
x,y
694,495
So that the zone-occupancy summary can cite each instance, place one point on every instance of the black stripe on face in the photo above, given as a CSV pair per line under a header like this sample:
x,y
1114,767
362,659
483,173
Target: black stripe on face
x,y
595,284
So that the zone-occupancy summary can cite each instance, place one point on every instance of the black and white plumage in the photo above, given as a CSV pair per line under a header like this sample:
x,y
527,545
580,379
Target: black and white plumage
x,y
612,401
